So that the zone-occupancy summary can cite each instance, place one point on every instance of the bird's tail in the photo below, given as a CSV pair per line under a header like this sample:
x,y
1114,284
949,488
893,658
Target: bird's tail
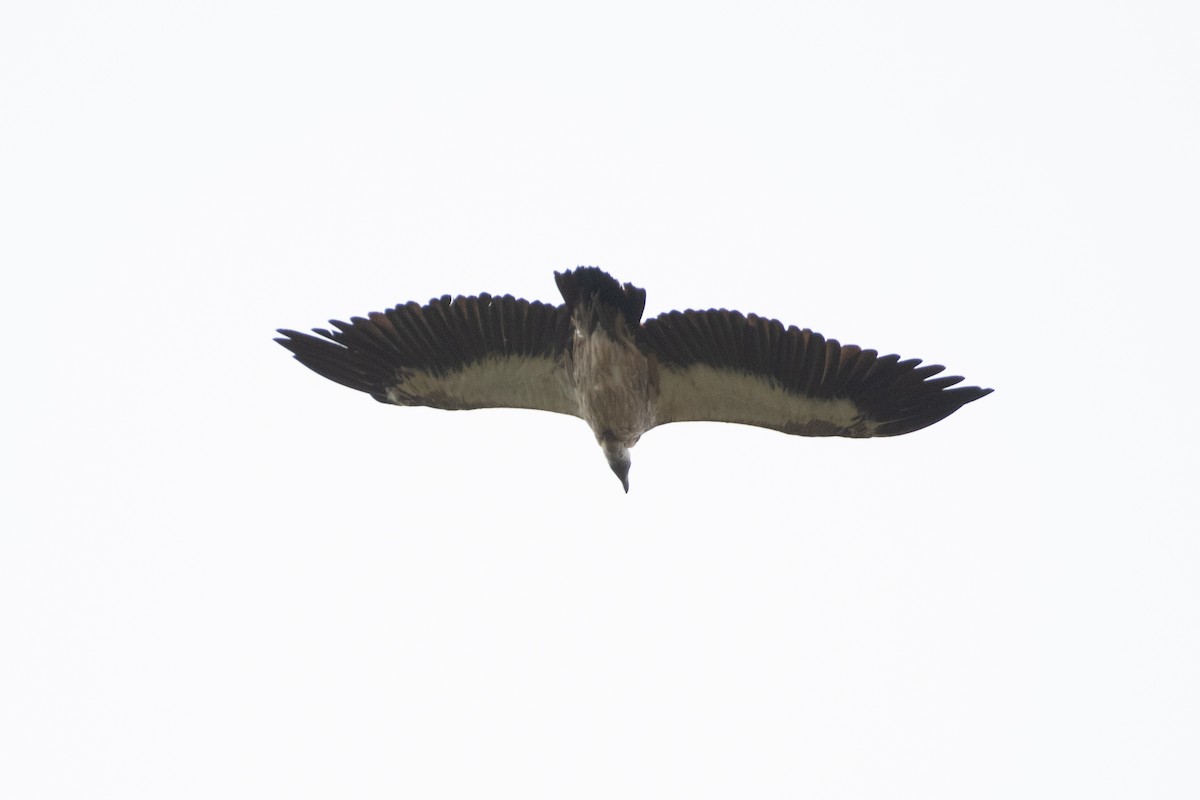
x,y
592,284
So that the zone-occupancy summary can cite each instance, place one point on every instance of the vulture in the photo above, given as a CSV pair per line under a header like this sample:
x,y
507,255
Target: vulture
x,y
594,358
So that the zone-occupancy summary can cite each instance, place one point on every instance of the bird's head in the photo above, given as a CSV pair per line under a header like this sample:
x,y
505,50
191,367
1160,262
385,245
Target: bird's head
x,y
618,458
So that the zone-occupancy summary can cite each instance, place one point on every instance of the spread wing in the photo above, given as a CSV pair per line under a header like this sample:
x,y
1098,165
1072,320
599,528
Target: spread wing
x,y
725,367
469,352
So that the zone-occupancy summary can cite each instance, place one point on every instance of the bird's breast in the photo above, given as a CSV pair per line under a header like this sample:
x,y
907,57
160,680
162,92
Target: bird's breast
x,y
615,385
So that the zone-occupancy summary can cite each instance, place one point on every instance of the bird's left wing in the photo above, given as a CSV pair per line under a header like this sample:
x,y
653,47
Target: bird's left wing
x,y
725,367
469,352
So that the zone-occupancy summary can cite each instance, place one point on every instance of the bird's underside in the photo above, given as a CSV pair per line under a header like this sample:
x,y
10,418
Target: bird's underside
x,y
594,358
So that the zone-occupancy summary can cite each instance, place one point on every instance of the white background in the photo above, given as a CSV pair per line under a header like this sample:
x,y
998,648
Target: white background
x,y
223,576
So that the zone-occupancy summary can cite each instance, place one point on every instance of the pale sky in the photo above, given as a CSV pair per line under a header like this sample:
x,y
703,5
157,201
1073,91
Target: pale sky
x,y
224,576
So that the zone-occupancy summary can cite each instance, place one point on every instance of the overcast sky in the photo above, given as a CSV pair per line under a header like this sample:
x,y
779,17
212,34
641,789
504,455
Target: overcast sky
x,y
224,576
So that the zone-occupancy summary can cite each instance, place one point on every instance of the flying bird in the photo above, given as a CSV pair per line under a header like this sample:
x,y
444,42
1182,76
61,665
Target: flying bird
x,y
594,358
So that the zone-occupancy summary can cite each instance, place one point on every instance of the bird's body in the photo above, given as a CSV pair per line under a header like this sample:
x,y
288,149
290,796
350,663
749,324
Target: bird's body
x,y
595,359
615,383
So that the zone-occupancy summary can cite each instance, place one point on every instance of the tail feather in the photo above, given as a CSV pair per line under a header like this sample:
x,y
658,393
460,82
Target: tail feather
x,y
592,283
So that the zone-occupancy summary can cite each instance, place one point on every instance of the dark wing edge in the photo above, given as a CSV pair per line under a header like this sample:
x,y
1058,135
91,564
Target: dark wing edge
x,y
466,352
723,366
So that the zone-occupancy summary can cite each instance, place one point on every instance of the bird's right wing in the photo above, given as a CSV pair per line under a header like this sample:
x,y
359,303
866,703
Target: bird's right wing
x,y
469,352
725,367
